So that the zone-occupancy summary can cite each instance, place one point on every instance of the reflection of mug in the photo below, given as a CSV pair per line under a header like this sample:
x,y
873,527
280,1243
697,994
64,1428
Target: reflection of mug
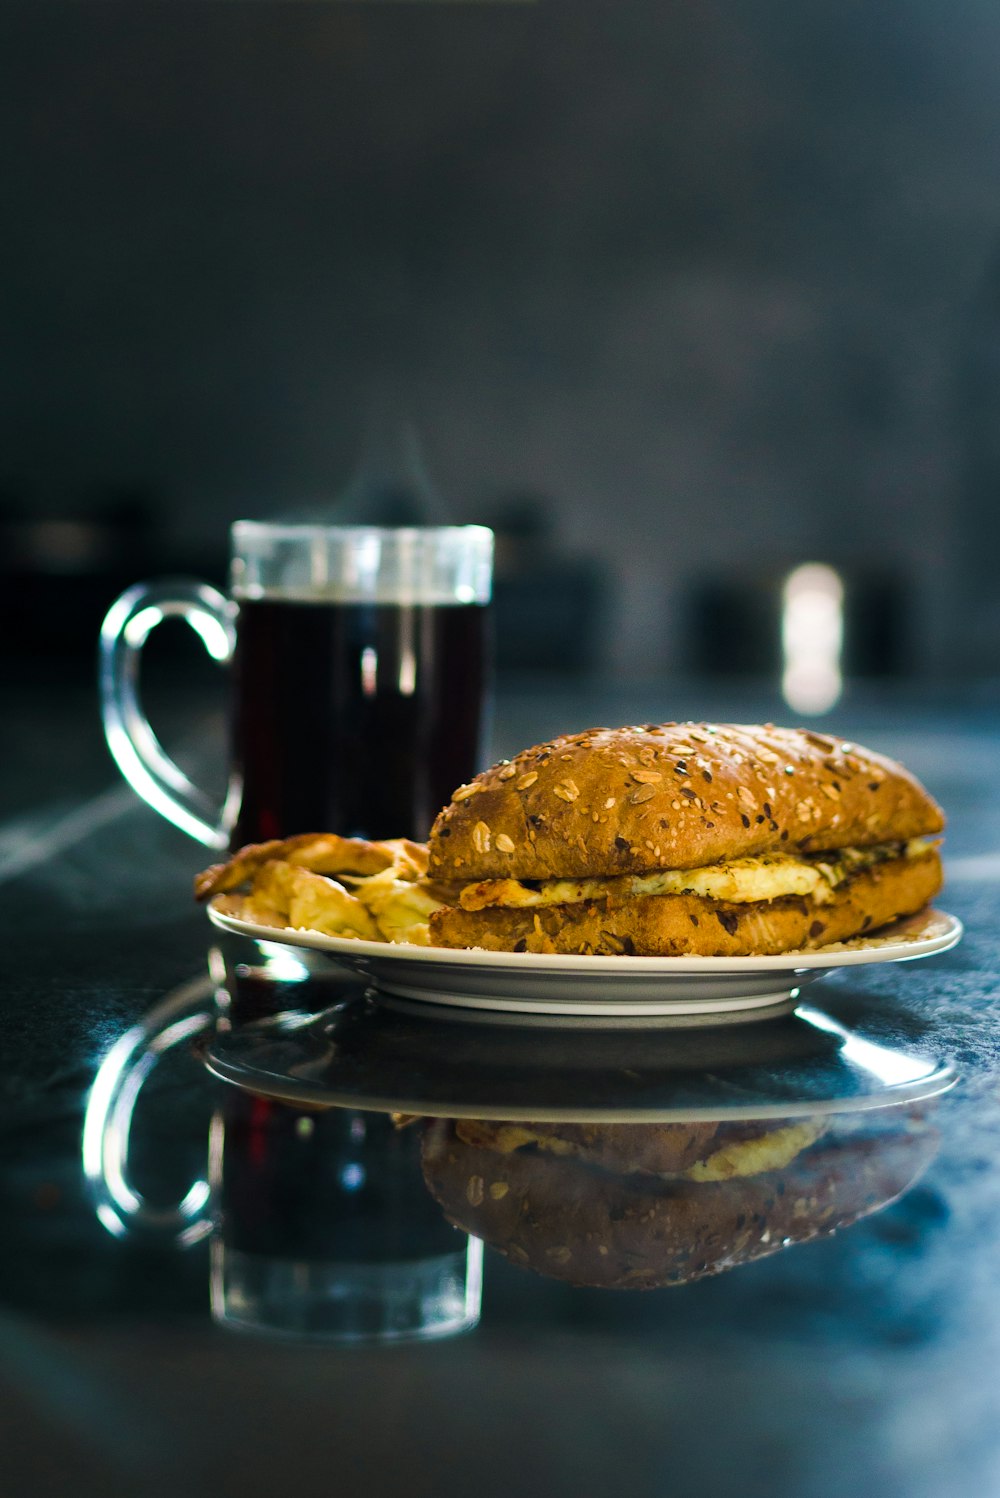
x,y
360,677
319,1224
324,1228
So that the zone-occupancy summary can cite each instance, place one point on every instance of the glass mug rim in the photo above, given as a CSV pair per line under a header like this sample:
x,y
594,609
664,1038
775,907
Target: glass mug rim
x,y
358,564
293,529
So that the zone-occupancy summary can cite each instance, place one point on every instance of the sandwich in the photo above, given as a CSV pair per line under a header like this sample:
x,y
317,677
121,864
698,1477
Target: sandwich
x,y
639,1206
683,838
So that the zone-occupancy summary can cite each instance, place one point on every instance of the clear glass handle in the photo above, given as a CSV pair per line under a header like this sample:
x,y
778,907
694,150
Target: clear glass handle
x,y
136,749
186,1013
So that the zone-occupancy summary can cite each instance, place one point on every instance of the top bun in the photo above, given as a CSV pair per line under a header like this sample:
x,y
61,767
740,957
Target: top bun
x,y
673,795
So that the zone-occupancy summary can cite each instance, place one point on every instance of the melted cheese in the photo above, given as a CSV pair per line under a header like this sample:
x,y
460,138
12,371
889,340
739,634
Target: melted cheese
x,y
504,1139
766,877
752,1157
738,1158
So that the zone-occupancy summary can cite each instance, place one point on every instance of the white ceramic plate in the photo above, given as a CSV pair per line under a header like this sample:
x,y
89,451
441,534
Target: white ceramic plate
x,y
551,983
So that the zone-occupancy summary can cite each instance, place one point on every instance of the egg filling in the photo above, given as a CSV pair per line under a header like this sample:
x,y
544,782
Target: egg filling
x,y
769,876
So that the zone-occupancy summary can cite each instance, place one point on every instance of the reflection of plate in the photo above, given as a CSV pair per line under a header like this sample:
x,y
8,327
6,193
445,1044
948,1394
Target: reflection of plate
x,y
556,984
389,1054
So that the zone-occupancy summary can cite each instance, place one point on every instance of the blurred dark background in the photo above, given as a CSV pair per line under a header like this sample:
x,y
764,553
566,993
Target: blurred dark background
x,y
676,295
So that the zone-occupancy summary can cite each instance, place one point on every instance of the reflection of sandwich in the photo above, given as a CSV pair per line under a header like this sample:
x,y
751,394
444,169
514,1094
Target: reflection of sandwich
x,y
683,838
637,1206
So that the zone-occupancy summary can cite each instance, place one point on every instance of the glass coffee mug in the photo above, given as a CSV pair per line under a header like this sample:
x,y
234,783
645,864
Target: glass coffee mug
x,y
361,671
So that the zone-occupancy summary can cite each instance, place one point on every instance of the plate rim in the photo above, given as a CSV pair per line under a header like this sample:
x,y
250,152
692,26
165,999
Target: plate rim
x,y
358,951
940,1078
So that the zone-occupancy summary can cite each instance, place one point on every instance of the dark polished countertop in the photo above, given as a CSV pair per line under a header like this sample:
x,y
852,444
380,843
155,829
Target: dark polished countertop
x,y
865,1361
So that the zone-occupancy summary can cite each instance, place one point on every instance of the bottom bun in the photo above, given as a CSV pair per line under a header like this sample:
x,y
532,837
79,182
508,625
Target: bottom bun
x,y
682,925
571,1222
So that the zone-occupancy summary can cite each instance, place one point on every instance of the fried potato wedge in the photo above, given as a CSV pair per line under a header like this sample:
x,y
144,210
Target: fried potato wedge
x,y
319,852
290,884
312,902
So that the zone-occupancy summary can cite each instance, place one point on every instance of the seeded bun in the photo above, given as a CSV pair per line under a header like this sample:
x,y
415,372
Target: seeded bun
x,y
674,795
597,1220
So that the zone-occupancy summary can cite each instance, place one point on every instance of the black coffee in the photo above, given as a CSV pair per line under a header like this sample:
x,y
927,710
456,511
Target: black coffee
x,y
335,1185
355,718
